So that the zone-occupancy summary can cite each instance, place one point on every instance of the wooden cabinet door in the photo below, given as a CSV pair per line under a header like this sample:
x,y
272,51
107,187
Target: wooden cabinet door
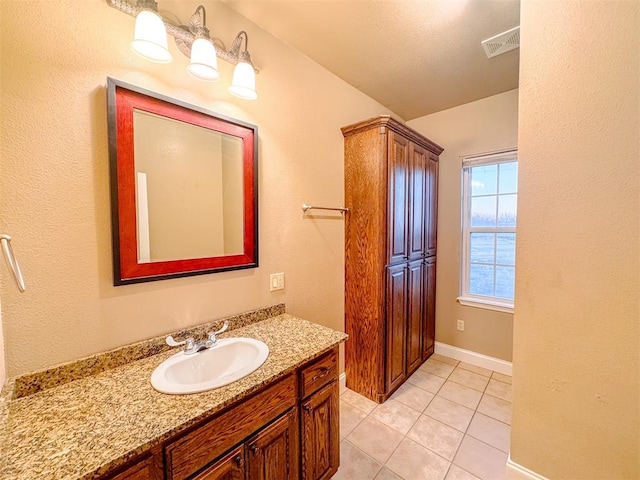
x,y
415,295
396,325
145,469
273,453
432,207
429,308
398,173
229,467
418,203
320,434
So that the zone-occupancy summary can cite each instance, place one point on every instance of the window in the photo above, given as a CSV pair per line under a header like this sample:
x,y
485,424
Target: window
x,y
489,196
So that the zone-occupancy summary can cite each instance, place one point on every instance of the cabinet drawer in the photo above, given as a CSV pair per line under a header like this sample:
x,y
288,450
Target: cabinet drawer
x,y
207,442
319,373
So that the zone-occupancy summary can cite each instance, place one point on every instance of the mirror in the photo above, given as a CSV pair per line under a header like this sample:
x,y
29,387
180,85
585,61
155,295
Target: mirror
x,y
183,188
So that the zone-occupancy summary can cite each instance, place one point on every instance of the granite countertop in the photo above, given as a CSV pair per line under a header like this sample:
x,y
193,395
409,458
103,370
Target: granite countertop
x,y
88,426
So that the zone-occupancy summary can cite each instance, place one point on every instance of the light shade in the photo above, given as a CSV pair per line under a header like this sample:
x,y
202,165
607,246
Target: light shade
x,y
204,62
150,39
243,84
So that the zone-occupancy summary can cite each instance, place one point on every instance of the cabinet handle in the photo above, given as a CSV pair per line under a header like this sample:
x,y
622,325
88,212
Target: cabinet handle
x,y
254,448
307,408
325,372
239,460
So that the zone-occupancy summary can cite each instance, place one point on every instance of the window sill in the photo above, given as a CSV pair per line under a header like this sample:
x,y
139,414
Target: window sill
x,y
486,304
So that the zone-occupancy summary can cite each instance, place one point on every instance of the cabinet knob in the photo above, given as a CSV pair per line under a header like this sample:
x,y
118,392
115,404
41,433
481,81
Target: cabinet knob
x,y
254,448
308,408
239,460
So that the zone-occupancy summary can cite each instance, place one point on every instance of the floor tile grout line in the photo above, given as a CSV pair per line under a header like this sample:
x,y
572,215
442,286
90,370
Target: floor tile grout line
x,y
434,395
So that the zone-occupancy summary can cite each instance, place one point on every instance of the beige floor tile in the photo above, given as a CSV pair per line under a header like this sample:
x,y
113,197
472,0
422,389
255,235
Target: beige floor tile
x,y
499,389
413,397
437,368
469,379
443,359
451,413
456,473
495,408
350,418
386,474
472,368
480,459
355,464
437,437
414,462
501,377
465,396
491,431
426,381
396,415
375,439
359,401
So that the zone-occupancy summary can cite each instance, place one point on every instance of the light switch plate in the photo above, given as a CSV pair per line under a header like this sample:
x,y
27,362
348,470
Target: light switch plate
x,y
276,281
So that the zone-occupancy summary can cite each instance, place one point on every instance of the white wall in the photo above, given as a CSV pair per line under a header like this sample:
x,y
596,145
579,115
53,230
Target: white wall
x,y
483,126
576,361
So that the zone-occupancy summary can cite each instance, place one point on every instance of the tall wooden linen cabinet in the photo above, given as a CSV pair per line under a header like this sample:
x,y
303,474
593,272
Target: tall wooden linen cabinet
x,y
391,179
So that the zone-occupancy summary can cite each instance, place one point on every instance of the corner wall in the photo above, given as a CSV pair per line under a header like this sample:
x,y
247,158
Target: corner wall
x,y
483,126
55,180
576,365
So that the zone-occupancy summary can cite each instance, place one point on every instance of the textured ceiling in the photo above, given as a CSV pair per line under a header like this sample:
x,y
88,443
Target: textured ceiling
x,y
413,56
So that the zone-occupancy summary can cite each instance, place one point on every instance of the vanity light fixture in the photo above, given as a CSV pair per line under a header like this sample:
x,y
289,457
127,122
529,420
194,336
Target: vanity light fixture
x,y
243,84
204,62
150,37
193,41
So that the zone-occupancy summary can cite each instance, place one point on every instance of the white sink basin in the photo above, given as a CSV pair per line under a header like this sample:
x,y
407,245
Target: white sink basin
x,y
229,360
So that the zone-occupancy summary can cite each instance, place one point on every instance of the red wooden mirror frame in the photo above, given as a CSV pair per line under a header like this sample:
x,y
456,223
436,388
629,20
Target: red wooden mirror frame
x,y
122,99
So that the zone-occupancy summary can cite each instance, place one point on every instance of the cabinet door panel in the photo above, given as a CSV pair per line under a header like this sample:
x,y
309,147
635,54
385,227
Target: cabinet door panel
x,y
273,453
415,315
396,342
418,204
429,307
145,469
432,209
398,165
229,467
320,434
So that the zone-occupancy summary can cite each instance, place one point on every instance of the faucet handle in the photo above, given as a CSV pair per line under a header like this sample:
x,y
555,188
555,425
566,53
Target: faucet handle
x,y
189,342
212,335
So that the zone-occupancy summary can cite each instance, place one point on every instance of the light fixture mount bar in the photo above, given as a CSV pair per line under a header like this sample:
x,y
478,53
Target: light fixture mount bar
x,y
181,33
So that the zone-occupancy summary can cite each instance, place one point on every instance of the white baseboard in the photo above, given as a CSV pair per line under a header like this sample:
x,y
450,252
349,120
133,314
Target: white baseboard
x,y
342,382
518,472
477,359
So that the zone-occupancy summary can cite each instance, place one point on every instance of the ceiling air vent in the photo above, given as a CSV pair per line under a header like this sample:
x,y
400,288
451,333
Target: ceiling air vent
x,y
502,43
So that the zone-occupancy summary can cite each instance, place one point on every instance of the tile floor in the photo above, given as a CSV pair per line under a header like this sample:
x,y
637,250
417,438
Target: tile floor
x,y
450,420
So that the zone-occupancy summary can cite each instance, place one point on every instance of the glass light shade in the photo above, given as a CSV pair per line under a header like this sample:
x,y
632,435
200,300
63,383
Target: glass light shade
x,y
150,39
204,63
243,84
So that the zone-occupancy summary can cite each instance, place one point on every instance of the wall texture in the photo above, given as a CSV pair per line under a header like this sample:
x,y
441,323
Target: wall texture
x,y
484,126
55,183
576,349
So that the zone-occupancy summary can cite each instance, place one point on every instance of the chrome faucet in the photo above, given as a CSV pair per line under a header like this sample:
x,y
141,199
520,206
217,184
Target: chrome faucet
x,y
191,346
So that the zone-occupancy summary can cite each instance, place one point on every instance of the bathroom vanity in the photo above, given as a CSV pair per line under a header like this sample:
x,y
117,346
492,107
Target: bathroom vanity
x,y
280,422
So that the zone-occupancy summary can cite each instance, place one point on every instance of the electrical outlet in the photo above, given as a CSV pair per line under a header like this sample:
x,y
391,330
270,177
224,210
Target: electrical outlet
x,y
461,325
276,281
